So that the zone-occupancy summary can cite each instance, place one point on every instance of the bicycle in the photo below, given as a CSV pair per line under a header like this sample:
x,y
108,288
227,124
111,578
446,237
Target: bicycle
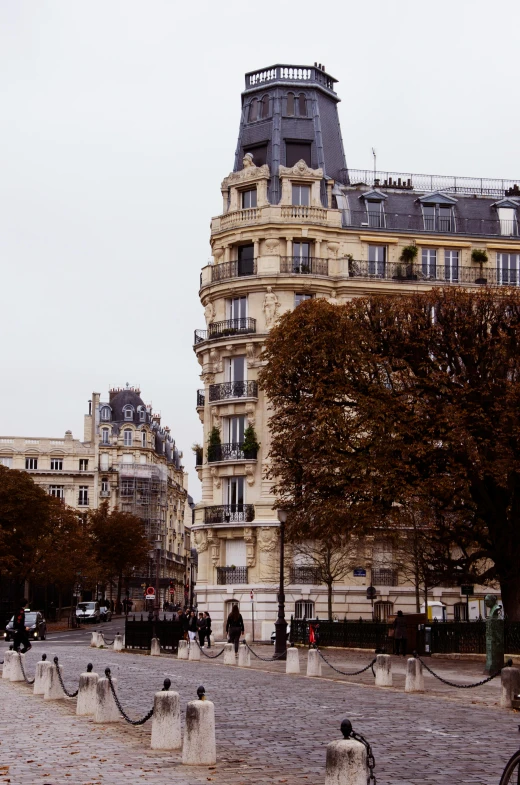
x,y
511,773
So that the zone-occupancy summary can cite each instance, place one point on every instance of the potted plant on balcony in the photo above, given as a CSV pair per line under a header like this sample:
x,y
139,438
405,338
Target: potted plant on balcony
x,y
199,452
214,444
250,444
480,257
408,257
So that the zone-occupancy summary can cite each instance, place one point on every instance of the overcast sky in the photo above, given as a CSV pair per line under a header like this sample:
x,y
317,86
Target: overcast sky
x,y
118,121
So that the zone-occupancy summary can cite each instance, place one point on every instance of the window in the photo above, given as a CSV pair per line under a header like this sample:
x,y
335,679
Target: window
x,y
301,257
249,198
6,461
375,214
377,260
451,265
236,375
508,266
234,429
105,413
382,610
304,609
302,105
105,486
127,487
301,195
507,219
103,461
128,412
237,308
299,297
438,218
128,437
290,105
83,464
104,436
259,153
235,493
297,151
83,496
264,107
143,439
429,262
460,611
142,414
253,110
236,553
56,464
246,259
31,463
57,490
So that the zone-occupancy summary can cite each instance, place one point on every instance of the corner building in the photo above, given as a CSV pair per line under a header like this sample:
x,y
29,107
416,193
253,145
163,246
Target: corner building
x,y
296,223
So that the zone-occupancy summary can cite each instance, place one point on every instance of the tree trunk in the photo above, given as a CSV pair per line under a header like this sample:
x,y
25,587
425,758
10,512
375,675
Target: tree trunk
x,y
329,599
417,592
426,599
119,588
510,591
59,607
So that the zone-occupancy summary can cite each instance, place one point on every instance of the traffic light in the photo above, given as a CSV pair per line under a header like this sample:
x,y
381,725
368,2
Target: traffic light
x,y
172,584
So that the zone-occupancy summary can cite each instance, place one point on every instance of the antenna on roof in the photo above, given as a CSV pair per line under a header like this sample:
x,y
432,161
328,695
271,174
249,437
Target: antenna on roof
x,y
374,154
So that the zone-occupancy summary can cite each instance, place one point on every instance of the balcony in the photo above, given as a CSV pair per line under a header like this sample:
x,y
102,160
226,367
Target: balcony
x,y
295,265
308,575
230,513
384,576
230,327
302,212
230,575
236,269
201,398
249,215
419,223
105,494
229,452
232,390
432,273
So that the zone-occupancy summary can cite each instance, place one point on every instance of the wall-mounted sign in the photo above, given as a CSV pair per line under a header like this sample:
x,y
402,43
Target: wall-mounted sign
x,y
359,572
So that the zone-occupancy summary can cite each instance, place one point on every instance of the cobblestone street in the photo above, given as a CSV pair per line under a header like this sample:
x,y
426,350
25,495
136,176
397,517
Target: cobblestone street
x,y
271,728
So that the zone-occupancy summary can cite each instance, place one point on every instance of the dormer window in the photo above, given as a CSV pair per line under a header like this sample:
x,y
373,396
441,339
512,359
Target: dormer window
x,y
375,208
253,110
142,414
438,213
128,437
248,198
507,220
105,413
128,412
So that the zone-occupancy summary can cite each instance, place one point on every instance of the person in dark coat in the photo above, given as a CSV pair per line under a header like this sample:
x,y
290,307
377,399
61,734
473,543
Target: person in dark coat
x,y
201,629
208,628
20,633
235,627
400,634
192,626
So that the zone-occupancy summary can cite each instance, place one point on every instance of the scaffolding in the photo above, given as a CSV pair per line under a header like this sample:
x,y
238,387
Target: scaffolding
x,y
143,491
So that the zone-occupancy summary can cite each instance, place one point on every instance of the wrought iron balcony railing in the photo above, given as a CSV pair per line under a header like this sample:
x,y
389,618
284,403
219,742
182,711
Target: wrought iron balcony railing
x,y
201,397
435,273
296,265
492,227
229,575
236,269
305,575
230,390
230,513
230,452
384,576
231,327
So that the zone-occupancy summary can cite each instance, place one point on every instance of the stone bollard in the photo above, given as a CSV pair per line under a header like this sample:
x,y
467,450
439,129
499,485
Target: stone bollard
x,y
194,650
414,676
15,668
199,747
118,642
383,669
292,664
100,640
94,639
41,676
229,654
106,708
346,762
510,679
7,664
155,648
53,688
244,657
166,720
87,692
182,650
313,663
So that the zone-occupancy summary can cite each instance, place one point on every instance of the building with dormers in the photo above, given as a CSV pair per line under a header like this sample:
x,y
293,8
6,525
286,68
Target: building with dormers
x,y
298,223
130,460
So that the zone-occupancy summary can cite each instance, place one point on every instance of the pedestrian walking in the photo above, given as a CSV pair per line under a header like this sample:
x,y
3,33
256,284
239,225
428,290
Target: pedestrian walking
x,y
207,631
20,633
400,634
192,626
201,629
235,627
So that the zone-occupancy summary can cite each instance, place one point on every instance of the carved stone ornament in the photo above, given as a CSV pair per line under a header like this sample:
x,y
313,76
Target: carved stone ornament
x,y
248,173
333,300
249,537
268,538
250,474
214,542
216,478
251,413
333,248
301,170
208,377
272,245
218,253
209,312
270,306
201,540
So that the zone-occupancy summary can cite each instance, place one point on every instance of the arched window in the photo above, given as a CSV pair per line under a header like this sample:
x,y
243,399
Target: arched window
x,y
128,412
253,110
264,107
143,438
382,610
304,609
302,105
290,104
128,437
105,413
142,413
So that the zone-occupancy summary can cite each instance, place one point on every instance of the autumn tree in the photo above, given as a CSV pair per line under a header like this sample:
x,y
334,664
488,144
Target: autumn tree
x,y
388,397
119,543
329,560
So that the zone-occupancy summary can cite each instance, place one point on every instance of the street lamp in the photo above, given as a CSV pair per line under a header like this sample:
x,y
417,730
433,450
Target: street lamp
x,y
280,648
156,609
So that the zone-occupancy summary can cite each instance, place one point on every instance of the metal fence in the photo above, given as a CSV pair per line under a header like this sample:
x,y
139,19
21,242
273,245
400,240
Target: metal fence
x,y
354,634
469,637
139,632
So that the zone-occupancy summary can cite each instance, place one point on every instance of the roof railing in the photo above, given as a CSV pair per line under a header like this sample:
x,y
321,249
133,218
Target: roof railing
x,y
428,183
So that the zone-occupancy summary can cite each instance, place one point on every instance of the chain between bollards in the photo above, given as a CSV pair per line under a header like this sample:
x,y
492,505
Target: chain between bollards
x,y
210,656
67,693
349,733
344,673
508,664
29,681
122,711
265,659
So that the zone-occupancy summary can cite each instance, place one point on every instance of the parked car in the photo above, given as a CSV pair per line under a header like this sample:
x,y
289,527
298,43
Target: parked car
x,y
273,634
88,611
106,613
34,624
